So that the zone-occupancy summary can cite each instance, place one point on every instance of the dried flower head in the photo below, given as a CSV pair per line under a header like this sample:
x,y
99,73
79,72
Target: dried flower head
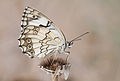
x,y
56,66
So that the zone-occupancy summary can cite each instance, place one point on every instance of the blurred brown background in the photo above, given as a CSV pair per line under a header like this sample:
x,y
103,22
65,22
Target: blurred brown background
x,y
95,58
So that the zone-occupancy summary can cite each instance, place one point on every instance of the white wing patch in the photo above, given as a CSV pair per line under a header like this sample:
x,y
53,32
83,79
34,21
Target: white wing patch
x,y
41,20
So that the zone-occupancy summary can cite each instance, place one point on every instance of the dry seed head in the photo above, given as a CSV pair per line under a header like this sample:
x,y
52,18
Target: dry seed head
x,y
56,66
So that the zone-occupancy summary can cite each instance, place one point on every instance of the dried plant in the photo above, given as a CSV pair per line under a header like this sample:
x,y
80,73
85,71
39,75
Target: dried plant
x,y
56,66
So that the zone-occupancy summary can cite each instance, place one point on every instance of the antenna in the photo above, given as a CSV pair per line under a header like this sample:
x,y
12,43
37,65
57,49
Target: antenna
x,y
79,37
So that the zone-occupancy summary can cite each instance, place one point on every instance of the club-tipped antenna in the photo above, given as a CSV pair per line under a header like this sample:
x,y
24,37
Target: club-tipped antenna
x,y
78,38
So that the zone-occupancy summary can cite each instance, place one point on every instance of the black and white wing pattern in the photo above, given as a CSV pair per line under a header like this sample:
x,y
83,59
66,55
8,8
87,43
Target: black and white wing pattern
x,y
39,36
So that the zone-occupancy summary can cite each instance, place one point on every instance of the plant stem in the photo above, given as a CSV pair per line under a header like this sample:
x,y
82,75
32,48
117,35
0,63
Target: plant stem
x,y
55,78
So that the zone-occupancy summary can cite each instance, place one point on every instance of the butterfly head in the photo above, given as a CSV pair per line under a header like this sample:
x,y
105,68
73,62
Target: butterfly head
x,y
69,44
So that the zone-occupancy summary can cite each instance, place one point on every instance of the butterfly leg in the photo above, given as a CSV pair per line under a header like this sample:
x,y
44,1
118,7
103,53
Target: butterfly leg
x,y
67,53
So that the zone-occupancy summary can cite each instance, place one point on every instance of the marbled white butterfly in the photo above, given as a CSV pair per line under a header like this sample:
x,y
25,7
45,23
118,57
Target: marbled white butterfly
x,y
40,37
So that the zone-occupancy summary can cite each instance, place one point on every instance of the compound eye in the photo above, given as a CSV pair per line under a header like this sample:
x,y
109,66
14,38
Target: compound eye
x,y
70,44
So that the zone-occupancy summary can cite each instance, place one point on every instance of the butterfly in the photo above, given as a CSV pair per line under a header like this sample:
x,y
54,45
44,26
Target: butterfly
x,y
40,37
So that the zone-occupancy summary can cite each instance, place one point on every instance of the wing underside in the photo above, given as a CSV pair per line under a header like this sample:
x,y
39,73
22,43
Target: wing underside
x,y
39,37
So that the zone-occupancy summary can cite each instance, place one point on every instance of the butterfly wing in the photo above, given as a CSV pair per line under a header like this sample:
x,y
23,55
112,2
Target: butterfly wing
x,y
39,36
34,17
